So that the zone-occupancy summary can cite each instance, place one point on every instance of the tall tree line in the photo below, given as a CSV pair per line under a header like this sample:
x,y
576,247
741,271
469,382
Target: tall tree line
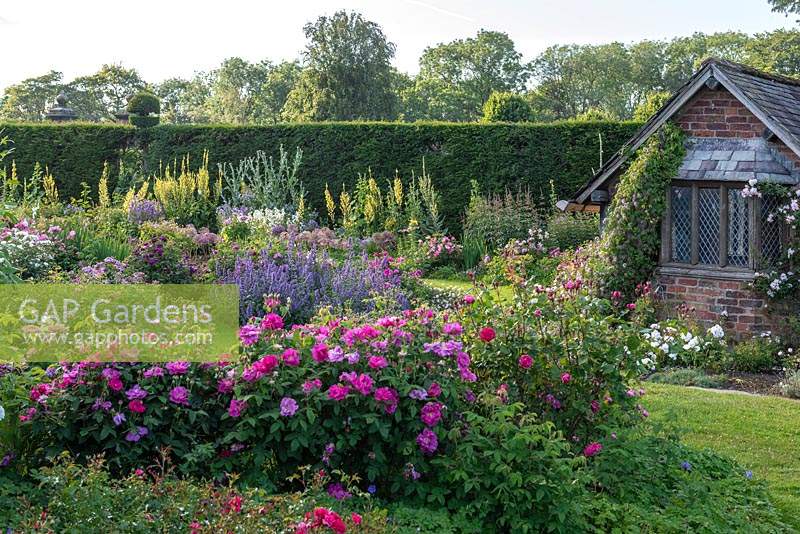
x,y
345,73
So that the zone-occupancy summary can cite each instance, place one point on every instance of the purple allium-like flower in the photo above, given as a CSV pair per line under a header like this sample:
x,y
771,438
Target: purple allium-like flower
x,y
427,441
288,407
686,466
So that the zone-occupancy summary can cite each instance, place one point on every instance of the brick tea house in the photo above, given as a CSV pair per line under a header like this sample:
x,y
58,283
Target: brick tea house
x,y
740,124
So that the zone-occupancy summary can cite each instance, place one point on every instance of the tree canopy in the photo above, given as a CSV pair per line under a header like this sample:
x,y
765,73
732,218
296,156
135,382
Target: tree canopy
x,y
346,73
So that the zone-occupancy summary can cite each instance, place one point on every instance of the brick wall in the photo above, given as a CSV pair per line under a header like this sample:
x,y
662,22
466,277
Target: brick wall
x,y
717,113
730,303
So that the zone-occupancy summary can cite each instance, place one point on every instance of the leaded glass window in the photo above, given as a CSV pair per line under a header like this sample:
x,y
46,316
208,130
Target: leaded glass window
x,y
681,203
712,225
708,225
738,229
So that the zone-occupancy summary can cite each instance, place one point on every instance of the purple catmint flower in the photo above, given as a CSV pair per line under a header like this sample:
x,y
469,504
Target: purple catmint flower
x,y
309,280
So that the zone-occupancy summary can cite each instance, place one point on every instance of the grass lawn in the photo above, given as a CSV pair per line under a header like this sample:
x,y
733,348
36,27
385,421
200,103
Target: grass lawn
x,y
464,286
761,433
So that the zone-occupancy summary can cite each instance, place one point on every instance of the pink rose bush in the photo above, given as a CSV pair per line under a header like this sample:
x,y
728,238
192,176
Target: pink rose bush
x,y
366,396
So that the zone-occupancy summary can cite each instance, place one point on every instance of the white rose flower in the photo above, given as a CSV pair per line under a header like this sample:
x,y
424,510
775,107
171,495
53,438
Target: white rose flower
x,y
717,331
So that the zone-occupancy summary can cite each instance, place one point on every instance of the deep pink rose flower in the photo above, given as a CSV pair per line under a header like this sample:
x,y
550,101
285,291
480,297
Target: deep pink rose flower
x,y
525,361
565,378
291,357
319,352
592,449
136,406
338,392
487,334
272,321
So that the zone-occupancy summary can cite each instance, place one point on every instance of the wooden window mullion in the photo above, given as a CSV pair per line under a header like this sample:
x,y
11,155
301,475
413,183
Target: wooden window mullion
x,y
695,213
723,226
666,229
754,206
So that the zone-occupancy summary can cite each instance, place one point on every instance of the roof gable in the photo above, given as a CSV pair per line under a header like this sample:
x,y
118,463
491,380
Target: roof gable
x,y
774,100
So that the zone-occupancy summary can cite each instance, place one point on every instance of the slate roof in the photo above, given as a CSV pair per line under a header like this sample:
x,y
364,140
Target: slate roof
x,y
777,96
774,99
736,160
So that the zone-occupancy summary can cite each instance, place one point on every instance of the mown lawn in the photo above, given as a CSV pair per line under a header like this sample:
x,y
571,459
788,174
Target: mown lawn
x,y
761,433
464,287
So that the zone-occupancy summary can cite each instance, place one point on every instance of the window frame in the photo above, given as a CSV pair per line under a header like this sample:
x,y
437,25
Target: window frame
x,y
722,266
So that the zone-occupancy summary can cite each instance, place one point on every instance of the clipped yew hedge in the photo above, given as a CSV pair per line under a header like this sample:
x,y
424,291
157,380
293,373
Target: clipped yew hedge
x,y
73,152
497,155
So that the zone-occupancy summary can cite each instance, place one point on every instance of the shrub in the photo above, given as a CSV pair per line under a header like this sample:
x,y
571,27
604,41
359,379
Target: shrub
x,y
144,103
526,347
679,343
160,261
256,182
632,238
497,219
367,398
506,107
74,152
28,251
570,230
502,155
511,472
146,121
188,197
756,355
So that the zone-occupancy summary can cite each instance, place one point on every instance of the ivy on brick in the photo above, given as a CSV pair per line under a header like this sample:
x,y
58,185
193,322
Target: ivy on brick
x,y
632,236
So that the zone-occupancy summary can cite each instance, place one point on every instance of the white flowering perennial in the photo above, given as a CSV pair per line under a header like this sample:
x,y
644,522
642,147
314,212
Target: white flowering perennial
x,y
672,345
26,249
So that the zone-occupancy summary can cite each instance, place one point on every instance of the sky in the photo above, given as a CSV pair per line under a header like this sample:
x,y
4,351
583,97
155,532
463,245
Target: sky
x,y
166,38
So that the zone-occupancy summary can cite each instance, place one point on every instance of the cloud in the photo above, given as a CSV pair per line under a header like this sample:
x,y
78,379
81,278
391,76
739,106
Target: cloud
x,y
5,22
440,10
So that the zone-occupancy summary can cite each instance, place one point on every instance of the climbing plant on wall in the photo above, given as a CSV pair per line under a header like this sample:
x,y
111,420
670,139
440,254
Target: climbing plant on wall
x,y
632,238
